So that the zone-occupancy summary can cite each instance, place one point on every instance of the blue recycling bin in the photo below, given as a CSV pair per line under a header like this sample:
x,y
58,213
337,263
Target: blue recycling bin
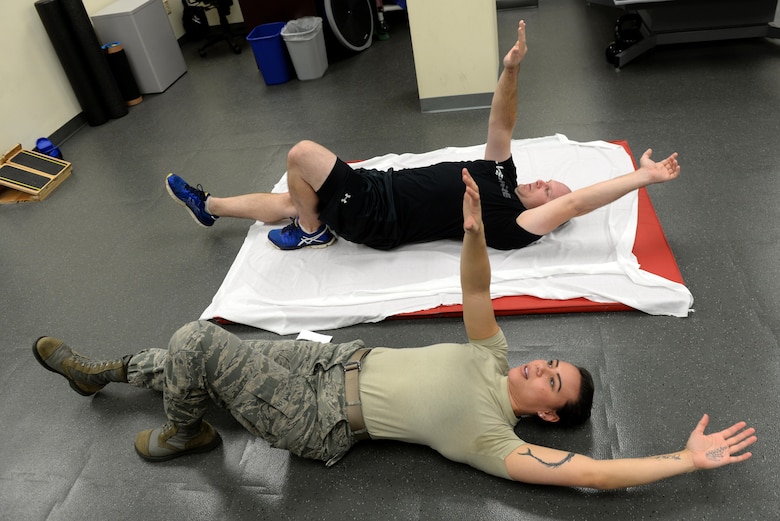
x,y
270,52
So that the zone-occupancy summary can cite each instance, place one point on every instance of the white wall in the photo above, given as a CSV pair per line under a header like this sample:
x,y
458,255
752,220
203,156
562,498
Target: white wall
x,y
36,98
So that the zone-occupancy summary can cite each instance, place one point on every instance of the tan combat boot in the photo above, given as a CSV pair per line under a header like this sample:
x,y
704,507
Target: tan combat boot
x,y
86,376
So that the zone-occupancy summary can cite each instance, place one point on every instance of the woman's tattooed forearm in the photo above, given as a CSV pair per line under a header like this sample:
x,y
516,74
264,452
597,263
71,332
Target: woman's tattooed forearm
x,y
712,455
667,456
553,464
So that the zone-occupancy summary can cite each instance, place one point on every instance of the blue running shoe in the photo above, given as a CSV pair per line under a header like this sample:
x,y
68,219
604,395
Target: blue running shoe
x,y
292,237
193,199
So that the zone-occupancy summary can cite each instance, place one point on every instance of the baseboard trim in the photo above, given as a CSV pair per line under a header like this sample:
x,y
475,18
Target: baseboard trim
x,y
509,4
461,102
67,130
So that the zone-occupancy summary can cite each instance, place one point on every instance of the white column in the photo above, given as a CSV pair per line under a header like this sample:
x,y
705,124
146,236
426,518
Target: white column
x,y
455,46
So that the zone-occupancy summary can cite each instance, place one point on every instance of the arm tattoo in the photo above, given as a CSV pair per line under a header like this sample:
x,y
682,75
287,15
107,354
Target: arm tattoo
x,y
551,465
667,456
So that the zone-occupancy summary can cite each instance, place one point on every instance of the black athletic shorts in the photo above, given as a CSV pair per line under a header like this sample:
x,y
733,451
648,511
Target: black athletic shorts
x,y
358,205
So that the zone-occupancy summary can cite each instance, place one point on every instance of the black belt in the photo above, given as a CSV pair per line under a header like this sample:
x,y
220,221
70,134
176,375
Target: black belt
x,y
352,369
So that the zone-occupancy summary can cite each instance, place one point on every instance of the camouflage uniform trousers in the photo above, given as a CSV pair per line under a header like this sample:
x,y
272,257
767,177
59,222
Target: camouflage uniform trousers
x,y
288,392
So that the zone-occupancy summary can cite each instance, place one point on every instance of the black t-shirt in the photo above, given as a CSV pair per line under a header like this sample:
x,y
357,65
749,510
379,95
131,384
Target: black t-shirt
x,y
429,203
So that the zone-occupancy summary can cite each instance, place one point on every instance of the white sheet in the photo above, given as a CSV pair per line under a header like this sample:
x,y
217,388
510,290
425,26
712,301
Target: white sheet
x,y
346,283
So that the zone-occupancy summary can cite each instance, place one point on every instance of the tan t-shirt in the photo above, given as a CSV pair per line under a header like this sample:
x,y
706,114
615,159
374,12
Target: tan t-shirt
x,y
451,397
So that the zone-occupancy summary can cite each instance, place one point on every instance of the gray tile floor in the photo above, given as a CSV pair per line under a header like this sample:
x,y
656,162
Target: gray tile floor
x,y
112,265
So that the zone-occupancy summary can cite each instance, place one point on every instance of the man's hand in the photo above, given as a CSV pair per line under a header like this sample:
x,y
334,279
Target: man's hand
x,y
472,208
715,450
662,171
518,50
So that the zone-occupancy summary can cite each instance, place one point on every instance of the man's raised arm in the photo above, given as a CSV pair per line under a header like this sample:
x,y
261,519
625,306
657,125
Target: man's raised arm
x,y
547,217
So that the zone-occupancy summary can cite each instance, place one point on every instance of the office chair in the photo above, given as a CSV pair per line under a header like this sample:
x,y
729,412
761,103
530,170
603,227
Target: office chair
x,y
225,34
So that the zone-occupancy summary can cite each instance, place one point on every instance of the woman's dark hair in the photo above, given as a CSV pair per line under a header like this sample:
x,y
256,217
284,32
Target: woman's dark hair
x,y
576,413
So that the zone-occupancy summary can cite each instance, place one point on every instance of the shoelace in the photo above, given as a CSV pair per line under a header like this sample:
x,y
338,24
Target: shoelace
x,y
290,228
196,193
83,362
176,436
168,429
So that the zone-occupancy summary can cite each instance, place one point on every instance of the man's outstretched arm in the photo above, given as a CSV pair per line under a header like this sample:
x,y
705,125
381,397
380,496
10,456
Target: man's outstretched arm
x,y
547,217
541,465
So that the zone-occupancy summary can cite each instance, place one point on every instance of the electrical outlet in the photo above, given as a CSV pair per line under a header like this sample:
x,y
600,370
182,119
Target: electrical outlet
x,y
167,6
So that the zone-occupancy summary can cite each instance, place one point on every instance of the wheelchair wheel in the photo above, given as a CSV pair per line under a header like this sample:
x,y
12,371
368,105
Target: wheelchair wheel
x,y
351,21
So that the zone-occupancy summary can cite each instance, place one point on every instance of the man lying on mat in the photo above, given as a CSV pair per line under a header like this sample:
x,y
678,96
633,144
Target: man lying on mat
x,y
317,400
386,209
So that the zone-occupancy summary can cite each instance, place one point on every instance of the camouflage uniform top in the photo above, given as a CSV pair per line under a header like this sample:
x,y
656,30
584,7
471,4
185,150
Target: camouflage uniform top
x,y
453,398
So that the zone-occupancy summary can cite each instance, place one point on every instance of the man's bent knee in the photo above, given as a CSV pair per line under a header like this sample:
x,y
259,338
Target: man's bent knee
x,y
311,162
302,152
